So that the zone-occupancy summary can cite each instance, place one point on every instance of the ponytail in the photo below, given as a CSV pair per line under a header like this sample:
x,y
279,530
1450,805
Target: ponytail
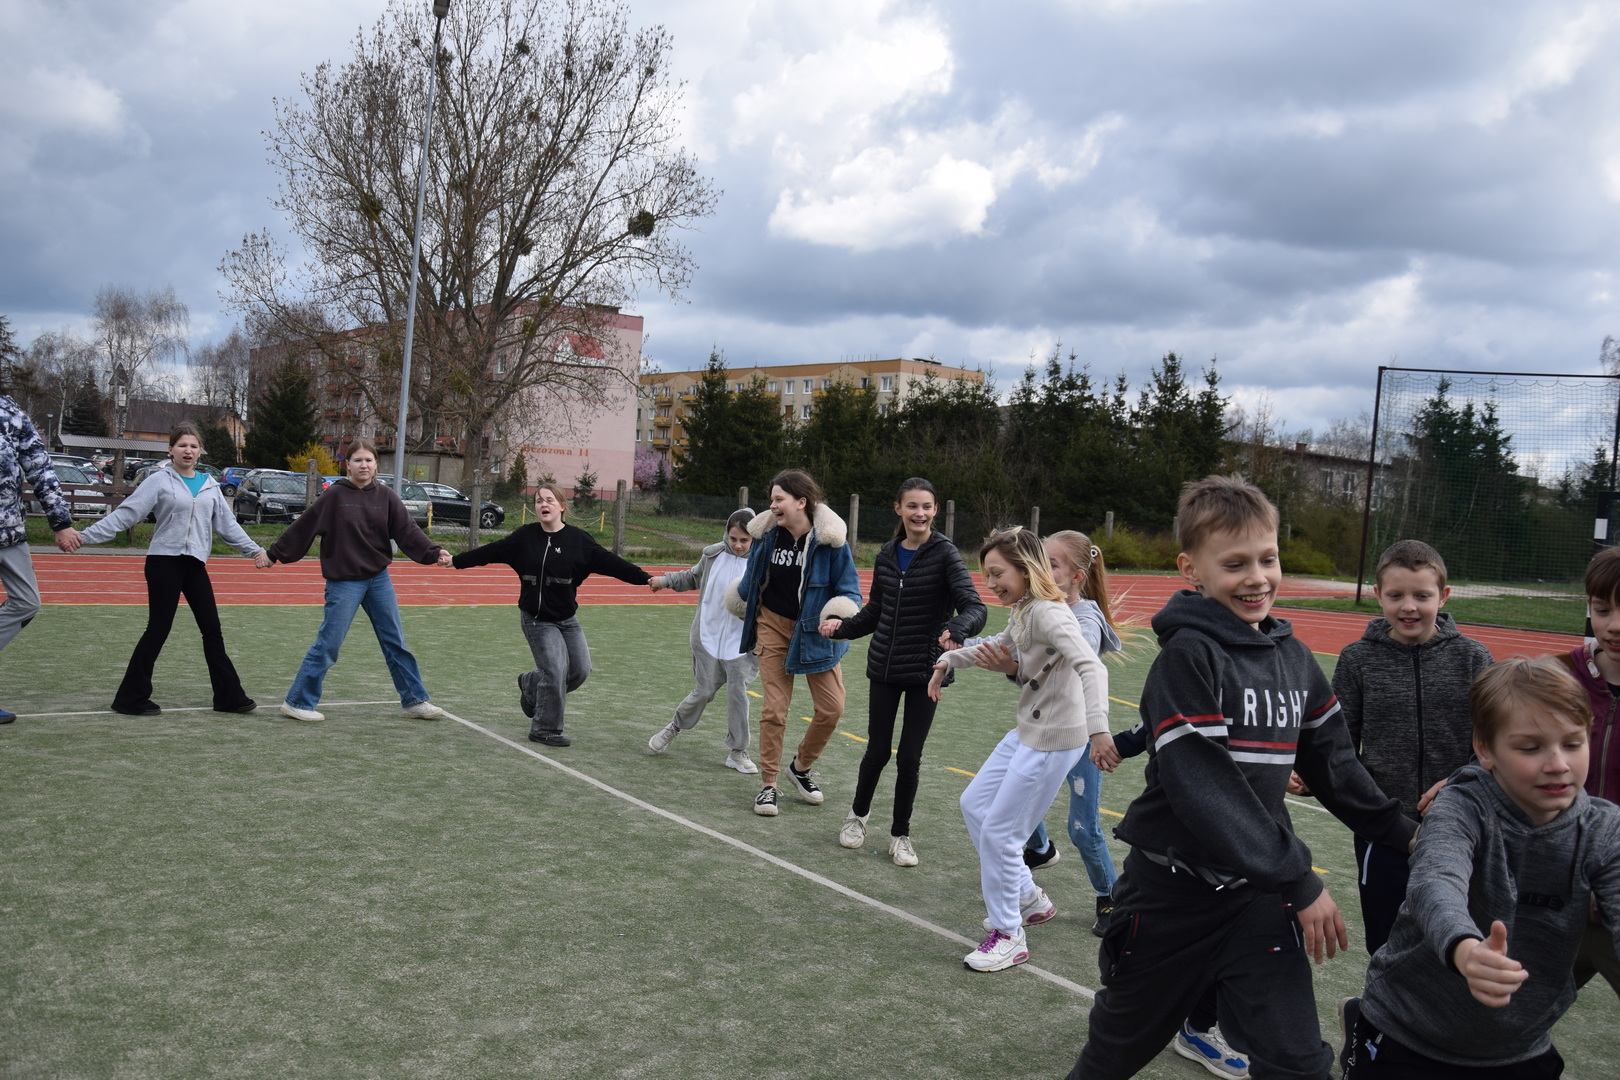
x,y
1087,558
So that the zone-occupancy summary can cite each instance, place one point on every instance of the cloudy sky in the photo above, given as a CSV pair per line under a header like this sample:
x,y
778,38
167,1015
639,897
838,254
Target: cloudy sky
x,y
1303,191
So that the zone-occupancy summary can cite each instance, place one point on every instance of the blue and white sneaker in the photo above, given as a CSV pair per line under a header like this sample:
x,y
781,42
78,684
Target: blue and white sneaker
x,y
1211,1051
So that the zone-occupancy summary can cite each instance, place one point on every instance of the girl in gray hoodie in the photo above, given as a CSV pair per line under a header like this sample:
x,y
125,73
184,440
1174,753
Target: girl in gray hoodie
x,y
189,508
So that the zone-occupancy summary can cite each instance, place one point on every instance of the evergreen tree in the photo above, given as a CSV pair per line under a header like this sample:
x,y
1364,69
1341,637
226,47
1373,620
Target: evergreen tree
x,y
1179,436
283,419
950,432
585,489
216,439
839,441
731,439
517,478
87,410
1069,445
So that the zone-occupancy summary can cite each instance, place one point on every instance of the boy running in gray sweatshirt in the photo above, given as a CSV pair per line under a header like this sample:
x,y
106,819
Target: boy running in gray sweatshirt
x,y
1404,692
1479,965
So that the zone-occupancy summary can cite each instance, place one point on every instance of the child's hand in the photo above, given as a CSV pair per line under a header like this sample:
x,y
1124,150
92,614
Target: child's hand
x,y
829,627
1103,753
261,559
444,557
1428,798
656,583
1296,786
947,642
1323,925
1492,975
996,657
936,682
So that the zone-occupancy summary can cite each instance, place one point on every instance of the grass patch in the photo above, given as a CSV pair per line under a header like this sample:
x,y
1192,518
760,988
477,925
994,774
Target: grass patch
x,y
195,895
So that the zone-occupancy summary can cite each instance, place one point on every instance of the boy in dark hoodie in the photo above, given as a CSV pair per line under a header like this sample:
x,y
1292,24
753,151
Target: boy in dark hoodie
x,y
1478,967
1404,692
1217,890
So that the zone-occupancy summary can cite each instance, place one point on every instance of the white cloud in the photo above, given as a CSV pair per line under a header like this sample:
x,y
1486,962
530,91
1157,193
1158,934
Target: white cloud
x,y
1553,62
890,202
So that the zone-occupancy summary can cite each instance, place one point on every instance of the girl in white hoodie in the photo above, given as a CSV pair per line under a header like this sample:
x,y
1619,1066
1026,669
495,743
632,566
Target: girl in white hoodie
x,y
189,508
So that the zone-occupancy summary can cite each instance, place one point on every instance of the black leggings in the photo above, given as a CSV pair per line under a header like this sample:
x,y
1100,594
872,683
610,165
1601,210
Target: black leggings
x,y
883,702
167,578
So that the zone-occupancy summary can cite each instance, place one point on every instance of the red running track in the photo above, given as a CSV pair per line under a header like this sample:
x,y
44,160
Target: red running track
x,y
117,579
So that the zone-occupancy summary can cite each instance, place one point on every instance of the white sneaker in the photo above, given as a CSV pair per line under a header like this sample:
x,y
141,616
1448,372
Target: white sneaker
x,y
1037,909
423,710
1211,1051
663,737
301,714
737,759
901,851
998,951
853,834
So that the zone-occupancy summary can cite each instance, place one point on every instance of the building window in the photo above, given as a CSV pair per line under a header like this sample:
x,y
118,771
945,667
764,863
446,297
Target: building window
x,y
789,390
770,387
866,383
638,434
638,415
888,383
500,365
809,385
826,384
883,410
805,412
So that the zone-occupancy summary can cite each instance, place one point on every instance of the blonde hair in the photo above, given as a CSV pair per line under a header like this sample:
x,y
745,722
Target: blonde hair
x,y
1520,685
1087,558
1218,504
1023,550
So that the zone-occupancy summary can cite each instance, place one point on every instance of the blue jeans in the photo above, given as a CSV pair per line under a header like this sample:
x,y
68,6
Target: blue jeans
x,y
343,599
1085,825
562,663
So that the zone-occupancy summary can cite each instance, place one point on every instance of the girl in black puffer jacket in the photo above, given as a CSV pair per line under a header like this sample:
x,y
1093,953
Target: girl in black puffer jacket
x,y
918,584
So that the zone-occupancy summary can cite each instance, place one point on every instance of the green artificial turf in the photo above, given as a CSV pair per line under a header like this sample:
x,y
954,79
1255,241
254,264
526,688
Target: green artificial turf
x,y
210,896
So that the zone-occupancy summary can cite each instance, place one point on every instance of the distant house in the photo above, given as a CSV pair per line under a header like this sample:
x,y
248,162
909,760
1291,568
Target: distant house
x,y
151,419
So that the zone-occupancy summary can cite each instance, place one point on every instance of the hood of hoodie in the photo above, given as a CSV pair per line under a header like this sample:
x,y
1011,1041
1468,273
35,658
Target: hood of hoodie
x,y
1190,610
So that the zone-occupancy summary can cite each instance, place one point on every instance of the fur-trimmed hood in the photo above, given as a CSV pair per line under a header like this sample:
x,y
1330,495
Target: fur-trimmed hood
x,y
829,527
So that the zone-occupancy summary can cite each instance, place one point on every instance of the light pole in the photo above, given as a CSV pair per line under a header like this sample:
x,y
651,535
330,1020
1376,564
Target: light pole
x,y
441,8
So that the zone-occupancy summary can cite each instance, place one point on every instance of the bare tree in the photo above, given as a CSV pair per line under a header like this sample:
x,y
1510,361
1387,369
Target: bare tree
x,y
136,332
220,372
556,189
66,370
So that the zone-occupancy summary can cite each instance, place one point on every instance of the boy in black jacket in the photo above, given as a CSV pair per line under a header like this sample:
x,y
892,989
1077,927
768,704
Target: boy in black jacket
x,y
1217,890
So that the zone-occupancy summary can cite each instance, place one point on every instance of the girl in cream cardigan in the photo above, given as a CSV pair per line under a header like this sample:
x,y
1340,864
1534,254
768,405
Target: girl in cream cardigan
x,y
1062,707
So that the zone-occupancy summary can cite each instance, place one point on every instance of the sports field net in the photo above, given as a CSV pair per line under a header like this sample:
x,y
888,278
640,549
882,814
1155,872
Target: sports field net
x,y
1503,474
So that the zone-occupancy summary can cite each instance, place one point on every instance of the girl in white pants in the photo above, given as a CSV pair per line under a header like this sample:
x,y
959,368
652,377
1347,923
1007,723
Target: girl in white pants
x,y
1062,704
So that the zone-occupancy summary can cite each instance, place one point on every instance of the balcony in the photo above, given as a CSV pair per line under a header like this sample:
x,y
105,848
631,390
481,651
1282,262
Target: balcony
x,y
662,421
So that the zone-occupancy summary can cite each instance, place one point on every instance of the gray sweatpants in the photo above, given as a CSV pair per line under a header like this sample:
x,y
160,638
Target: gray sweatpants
x,y
711,674
22,591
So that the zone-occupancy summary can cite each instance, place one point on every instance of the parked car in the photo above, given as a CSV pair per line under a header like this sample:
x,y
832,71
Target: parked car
x,y
84,465
231,478
414,496
75,482
133,465
452,506
269,495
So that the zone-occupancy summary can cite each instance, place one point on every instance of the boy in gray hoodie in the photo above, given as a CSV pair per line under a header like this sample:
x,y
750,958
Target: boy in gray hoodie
x,y
1478,967
1404,691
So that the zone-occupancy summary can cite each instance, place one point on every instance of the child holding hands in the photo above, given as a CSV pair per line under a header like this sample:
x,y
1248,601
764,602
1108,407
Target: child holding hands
x,y
1062,706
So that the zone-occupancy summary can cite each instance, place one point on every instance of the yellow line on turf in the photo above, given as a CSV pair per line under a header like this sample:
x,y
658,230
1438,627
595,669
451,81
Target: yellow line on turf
x,y
759,853
964,772
752,694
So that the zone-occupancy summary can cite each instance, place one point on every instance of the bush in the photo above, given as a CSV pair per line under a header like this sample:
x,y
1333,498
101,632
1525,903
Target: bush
x,y
1128,550
324,464
1298,557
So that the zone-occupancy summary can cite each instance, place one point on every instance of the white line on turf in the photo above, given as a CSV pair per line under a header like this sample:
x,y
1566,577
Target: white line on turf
x,y
775,860
187,708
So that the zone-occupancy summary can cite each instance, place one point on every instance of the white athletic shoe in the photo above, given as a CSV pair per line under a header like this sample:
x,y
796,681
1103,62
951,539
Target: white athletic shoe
x,y
998,951
901,851
423,710
1037,909
301,714
663,737
739,760
1211,1051
853,834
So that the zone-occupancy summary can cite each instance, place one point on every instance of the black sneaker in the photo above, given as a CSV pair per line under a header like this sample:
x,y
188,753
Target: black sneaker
x,y
1349,1013
247,706
526,692
551,738
808,791
145,708
1037,859
765,802
1105,913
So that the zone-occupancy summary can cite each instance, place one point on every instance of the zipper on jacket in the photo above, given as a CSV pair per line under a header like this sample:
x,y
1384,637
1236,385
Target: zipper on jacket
x,y
540,586
1603,758
1417,696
